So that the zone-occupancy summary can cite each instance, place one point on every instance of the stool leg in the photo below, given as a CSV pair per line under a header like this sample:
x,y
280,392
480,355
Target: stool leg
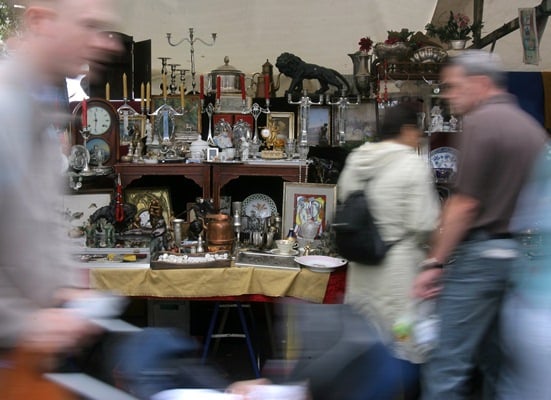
x,y
210,331
248,339
220,330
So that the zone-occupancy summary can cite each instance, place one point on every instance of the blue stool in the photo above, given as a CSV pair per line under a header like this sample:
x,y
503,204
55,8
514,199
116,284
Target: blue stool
x,y
245,334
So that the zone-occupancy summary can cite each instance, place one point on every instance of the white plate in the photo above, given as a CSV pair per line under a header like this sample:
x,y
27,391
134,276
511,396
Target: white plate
x,y
321,263
263,205
278,252
444,157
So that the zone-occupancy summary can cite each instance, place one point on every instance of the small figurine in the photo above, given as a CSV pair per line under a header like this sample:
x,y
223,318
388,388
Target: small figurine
x,y
453,123
244,149
437,120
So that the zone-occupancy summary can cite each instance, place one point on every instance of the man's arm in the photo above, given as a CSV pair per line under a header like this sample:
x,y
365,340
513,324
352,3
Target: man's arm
x,y
457,217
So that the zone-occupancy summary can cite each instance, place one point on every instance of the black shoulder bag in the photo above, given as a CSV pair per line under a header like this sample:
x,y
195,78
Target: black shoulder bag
x,y
356,235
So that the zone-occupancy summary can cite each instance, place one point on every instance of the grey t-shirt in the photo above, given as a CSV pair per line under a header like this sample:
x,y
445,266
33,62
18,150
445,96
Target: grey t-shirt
x,y
497,149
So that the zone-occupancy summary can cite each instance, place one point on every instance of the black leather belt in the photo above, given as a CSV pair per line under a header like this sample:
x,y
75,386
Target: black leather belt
x,y
481,234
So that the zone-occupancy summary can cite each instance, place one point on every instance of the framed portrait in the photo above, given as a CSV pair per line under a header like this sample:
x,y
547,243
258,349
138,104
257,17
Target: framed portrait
x,y
305,202
147,201
79,207
212,153
131,128
361,123
319,123
190,121
283,123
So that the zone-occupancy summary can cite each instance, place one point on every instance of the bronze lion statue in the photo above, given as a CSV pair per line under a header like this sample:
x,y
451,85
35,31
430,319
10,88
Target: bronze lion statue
x,y
294,67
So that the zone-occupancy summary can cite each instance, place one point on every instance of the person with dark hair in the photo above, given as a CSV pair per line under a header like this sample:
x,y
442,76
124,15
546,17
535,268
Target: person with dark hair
x,y
405,206
472,252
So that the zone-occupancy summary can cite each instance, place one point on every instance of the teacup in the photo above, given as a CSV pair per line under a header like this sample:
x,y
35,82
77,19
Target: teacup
x,y
285,246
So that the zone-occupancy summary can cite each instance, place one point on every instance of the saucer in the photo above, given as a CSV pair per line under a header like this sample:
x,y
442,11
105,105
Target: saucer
x,y
278,252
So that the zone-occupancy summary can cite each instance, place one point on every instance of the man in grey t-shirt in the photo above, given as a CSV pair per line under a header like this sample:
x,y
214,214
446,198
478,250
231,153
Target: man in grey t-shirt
x,y
497,149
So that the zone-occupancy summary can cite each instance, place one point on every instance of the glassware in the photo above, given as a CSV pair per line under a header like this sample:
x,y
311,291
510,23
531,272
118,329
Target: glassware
x,y
290,148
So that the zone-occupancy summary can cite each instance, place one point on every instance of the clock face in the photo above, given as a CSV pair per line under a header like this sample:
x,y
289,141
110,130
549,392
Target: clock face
x,y
102,124
99,120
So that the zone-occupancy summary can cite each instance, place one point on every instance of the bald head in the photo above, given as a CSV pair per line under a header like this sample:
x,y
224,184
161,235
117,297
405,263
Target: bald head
x,y
62,36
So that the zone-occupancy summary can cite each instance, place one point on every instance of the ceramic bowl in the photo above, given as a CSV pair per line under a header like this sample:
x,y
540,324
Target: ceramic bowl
x,y
429,54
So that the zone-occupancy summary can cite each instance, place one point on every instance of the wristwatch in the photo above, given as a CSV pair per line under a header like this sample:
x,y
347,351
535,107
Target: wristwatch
x,y
430,263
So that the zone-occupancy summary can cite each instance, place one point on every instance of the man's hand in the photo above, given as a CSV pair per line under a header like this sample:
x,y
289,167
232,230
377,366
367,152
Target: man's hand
x,y
57,330
427,284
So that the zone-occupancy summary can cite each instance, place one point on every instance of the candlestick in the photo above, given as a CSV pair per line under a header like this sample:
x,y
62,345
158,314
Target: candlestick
x,y
218,86
191,40
124,87
84,113
142,96
266,86
182,100
107,91
242,83
148,96
164,86
201,87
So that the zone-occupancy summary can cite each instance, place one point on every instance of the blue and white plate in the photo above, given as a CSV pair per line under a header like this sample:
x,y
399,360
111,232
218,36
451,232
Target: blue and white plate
x,y
444,157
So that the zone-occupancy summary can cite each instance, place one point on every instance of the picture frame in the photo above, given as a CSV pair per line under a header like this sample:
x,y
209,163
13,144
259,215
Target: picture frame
x,y
361,123
212,153
284,123
190,121
135,129
79,207
319,126
308,201
142,198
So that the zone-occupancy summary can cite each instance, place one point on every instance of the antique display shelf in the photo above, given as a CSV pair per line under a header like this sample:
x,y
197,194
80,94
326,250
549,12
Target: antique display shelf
x,y
198,173
406,70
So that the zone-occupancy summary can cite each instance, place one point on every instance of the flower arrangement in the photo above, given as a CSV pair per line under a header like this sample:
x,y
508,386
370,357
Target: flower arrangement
x,y
458,27
365,44
405,36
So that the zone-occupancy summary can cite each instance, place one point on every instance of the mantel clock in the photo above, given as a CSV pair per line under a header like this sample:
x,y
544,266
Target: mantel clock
x,y
102,126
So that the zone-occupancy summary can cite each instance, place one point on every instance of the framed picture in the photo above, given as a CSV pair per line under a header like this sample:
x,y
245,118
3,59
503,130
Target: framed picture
x,y
305,202
283,123
212,153
78,208
319,123
131,129
361,123
190,121
147,201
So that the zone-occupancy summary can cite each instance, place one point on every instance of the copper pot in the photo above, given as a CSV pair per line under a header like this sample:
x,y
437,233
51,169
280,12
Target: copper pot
x,y
219,232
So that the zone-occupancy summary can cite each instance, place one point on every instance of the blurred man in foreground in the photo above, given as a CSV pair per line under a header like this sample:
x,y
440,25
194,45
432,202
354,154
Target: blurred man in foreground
x,y
497,149
36,276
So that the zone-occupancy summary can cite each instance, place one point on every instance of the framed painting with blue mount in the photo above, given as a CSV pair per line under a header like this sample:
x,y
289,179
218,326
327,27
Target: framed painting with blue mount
x,y
186,126
103,131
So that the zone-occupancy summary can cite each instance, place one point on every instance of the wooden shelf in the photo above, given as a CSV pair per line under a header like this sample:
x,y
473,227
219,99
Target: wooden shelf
x,y
406,70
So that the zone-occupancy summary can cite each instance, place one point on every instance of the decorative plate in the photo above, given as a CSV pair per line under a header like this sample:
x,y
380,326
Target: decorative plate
x,y
444,157
262,205
321,263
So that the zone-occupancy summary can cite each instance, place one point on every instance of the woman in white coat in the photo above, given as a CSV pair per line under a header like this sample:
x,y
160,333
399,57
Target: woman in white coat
x,y
404,202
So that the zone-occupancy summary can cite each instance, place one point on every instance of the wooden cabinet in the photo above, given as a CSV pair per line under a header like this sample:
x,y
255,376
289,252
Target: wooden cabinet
x,y
212,177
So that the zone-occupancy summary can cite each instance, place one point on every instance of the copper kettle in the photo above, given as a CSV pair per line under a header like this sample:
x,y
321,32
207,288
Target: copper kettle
x,y
219,232
258,80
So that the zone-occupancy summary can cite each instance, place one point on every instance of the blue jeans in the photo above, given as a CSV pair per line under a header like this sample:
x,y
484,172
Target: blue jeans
x,y
526,328
469,307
